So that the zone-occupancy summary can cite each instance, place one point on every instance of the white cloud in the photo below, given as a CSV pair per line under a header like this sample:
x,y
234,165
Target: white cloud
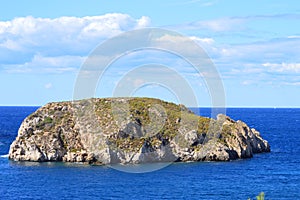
x,y
247,82
215,25
273,53
143,22
293,36
244,27
59,45
27,43
224,24
11,45
209,41
189,47
292,83
71,27
48,85
42,64
283,67
172,38
276,61
242,62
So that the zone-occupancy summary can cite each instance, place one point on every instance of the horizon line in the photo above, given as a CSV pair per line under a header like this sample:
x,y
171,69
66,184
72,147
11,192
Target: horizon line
x,y
274,107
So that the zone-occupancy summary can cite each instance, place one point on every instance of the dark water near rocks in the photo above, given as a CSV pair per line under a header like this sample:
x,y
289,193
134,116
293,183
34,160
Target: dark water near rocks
x,y
276,173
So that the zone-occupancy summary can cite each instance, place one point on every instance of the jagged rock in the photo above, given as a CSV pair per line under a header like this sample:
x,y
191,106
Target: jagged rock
x,y
191,137
131,130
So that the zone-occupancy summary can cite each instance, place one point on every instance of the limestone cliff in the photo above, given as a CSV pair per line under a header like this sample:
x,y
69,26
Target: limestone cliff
x,y
131,130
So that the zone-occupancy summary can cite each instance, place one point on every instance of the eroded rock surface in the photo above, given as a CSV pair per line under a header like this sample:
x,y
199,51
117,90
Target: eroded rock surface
x,y
131,130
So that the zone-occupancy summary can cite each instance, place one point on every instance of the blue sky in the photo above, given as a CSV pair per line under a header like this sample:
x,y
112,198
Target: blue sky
x,y
255,46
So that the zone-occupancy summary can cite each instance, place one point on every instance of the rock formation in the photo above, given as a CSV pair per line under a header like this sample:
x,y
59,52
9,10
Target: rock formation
x,y
131,130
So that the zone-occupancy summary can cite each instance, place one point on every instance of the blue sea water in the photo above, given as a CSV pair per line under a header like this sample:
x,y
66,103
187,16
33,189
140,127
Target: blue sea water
x,y
277,174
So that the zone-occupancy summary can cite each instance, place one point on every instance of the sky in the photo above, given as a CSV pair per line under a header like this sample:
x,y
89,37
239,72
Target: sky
x,y
254,45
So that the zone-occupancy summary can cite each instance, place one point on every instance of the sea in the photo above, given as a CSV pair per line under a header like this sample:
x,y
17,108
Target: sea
x,y
277,173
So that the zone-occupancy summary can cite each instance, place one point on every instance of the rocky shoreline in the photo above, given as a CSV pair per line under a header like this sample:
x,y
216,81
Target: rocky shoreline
x,y
131,130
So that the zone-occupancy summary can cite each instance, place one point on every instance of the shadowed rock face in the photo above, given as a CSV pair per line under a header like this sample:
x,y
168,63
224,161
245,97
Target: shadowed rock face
x,y
131,130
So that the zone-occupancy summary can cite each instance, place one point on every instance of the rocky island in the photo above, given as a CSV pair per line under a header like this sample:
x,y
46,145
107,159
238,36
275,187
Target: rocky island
x,y
131,130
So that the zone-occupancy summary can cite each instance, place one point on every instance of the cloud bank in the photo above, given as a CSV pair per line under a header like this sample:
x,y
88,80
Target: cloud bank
x,y
60,45
41,44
